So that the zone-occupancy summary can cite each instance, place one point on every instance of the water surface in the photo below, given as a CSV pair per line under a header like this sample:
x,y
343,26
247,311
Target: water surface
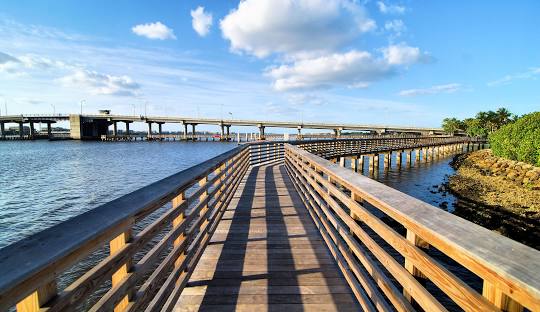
x,y
43,183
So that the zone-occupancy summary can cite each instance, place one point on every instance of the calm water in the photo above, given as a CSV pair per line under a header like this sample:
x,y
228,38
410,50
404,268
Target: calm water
x,y
43,183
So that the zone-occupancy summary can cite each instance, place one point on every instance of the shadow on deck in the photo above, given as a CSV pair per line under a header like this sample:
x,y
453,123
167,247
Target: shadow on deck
x,y
267,255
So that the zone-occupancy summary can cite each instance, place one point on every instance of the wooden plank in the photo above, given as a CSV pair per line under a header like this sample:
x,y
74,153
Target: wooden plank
x,y
267,249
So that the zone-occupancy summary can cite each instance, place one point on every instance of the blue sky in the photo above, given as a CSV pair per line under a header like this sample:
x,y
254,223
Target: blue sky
x,y
384,62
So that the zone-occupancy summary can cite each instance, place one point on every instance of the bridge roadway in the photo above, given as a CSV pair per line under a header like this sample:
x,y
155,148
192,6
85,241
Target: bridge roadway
x,y
267,255
101,122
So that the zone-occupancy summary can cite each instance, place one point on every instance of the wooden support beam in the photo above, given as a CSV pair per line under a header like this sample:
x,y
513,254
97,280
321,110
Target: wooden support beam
x,y
115,246
499,299
36,300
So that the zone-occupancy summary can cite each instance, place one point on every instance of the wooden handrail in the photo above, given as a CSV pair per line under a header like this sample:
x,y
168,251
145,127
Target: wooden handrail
x,y
31,266
345,203
350,147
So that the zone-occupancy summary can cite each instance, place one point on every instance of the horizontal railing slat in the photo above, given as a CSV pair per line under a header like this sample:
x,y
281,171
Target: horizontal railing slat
x,y
26,262
489,255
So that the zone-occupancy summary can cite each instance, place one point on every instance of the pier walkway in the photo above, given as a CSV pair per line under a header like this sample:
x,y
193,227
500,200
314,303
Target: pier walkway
x,y
275,226
267,255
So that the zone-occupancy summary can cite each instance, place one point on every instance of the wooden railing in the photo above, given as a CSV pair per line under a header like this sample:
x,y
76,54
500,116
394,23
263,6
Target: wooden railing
x,y
347,147
134,253
138,251
395,251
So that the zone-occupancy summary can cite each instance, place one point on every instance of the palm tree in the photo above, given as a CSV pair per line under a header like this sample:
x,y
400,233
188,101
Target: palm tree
x,y
503,117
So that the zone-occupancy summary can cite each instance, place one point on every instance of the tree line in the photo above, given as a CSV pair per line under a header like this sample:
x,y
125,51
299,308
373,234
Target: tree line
x,y
483,124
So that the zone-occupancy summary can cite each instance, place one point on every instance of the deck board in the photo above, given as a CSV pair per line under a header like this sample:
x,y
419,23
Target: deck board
x,y
266,255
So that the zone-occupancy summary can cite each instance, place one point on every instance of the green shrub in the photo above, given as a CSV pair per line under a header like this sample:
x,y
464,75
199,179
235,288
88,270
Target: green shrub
x,y
519,140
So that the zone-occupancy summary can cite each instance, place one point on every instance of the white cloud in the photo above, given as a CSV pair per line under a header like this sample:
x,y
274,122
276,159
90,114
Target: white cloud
x,y
201,21
390,9
397,26
20,65
355,69
292,27
155,30
101,84
8,63
351,68
446,88
532,73
402,54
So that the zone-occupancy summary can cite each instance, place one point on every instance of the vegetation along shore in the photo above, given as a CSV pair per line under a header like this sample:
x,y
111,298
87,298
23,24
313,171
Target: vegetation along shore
x,y
502,185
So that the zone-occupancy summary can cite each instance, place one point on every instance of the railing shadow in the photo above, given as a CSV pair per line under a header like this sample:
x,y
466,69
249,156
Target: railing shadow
x,y
228,271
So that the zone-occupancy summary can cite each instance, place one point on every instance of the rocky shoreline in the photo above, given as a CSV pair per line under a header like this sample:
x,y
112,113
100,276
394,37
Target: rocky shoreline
x,y
500,194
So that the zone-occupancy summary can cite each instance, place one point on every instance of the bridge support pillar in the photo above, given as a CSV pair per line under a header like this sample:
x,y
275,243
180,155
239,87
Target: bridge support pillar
x,y
398,158
386,162
417,155
261,132
409,157
337,133
361,164
228,133
115,129
127,128
342,161
185,132
2,131
160,130
149,136
32,130
299,133
49,130
21,130
193,132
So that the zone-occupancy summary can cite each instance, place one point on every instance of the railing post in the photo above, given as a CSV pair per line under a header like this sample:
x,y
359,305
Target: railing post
x,y
177,202
115,245
499,299
204,208
419,242
38,299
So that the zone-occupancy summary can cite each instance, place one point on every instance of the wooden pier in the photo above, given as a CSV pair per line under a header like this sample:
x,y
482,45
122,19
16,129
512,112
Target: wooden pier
x,y
272,226
267,254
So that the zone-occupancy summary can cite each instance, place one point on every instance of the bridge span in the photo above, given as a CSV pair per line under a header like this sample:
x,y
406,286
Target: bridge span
x,y
94,126
273,226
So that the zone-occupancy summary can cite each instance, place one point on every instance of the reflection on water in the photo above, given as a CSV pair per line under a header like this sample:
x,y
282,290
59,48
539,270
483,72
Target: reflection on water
x,y
43,183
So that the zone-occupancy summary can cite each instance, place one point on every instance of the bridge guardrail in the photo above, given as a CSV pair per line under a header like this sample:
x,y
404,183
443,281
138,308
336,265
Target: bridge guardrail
x,y
347,208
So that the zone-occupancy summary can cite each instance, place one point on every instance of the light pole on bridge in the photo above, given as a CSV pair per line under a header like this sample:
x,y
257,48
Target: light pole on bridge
x,y
82,101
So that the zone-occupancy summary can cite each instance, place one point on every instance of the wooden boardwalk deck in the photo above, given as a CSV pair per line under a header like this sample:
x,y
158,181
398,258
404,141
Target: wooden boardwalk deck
x,y
267,255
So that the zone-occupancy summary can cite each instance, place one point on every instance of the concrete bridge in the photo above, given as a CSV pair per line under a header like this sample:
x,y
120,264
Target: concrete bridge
x,y
271,226
95,126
